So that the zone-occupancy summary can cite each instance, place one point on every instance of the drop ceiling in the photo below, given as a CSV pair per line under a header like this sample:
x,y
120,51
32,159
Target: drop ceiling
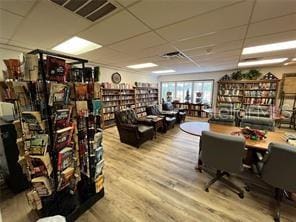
x,y
211,33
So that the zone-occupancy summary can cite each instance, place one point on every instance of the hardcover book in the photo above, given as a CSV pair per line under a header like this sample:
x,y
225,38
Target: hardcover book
x,y
62,118
63,137
59,93
81,91
55,69
65,158
96,105
38,144
33,120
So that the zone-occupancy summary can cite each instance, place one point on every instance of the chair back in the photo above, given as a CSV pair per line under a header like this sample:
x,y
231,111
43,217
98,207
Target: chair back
x,y
279,167
168,106
153,110
127,116
260,123
222,152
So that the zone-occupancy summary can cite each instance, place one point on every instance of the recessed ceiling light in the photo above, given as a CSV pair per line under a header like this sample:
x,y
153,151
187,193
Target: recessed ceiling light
x,y
164,71
270,47
262,62
76,46
142,66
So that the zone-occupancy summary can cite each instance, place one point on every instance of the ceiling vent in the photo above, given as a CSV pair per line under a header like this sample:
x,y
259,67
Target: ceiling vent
x,y
173,55
250,59
89,9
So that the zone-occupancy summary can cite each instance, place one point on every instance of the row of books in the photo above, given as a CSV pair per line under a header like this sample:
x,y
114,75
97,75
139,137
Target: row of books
x,y
110,109
260,93
228,99
259,101
261,85
109,116
146,91
144,84
231,86
108,85
111,98
230,92
110,103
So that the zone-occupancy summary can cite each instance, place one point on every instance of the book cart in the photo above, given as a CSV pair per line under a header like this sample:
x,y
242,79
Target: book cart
x,y
63,145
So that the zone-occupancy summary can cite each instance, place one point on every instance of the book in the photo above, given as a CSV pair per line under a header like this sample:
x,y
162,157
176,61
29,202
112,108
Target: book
x,y
55,69
33,120
88,74
40,165
13,68
59,93
62,118
97,106
82,108
99,154
31,67
97,90
65,178
42,186
38,144
63,137
34,200
98,137
99,182
65,158
99,168
81,91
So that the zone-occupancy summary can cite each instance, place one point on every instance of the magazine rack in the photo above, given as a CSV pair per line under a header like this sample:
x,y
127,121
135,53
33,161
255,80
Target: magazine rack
x,y
61,201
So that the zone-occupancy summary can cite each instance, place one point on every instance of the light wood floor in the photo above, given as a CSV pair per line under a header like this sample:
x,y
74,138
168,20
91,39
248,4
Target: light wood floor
x,y
158,182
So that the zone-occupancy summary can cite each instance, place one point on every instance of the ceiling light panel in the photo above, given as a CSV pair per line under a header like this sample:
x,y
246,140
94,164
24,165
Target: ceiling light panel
x,y
142,65
270,47
262,62
76,46
164,71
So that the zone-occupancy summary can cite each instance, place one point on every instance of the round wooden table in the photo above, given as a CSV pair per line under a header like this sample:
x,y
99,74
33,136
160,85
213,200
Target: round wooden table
x,y
195,128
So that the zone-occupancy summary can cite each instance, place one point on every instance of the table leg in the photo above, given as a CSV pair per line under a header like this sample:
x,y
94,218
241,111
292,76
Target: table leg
x,y
198,165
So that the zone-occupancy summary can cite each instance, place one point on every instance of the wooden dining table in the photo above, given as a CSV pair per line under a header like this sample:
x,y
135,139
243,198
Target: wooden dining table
x,y
196,128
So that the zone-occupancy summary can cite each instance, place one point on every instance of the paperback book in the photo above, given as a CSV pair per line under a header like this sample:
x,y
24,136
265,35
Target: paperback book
x,y
81,91
33,120
42,186
62,118
65,158
97,106
82,108
63,137
65,178
38,144
55,69
59,93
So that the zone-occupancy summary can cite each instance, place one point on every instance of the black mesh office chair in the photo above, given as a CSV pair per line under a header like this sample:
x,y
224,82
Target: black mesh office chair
x,y
278,170
225,154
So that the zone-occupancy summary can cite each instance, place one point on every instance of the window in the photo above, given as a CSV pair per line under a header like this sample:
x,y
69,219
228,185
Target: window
x,y
192,90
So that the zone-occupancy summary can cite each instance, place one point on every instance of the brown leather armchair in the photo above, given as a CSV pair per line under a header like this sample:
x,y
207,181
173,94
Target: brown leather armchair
x,y
181,114
131,130
169,121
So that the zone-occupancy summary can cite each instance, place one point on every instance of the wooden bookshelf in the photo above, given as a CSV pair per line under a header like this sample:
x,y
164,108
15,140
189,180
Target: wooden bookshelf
x,y
242,93
145,96
192,109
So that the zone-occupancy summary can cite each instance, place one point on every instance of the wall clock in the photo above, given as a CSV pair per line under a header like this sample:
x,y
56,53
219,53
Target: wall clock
x,y
116,78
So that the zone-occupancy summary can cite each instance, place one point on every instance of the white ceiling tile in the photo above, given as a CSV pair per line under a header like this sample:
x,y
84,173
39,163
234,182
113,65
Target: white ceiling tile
x,y
138,43
228,17
48,25
16,6
160,13
115,28
272,26
268,39
228,46
8,23
227,54
213,38
265,9
126,3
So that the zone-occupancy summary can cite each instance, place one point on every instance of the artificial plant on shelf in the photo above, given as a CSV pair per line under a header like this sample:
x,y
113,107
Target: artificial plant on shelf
x,y
237,75
252,74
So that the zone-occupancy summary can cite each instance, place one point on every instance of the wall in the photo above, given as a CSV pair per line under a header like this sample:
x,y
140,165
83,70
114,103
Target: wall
x,y
126,76
278,71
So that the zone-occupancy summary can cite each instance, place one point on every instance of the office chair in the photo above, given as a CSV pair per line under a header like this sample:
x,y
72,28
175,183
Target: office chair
x,y
278,170
225,154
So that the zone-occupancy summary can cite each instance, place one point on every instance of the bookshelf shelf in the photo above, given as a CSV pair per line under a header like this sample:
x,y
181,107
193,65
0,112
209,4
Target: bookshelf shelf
x,y
248,92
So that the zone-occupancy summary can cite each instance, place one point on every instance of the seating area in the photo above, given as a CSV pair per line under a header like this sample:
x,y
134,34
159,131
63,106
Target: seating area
x,y
148,110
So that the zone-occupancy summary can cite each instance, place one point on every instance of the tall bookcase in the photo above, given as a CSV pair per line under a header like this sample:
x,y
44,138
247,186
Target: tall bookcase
x,y
145,96
61,150
115,99
192,109
243,93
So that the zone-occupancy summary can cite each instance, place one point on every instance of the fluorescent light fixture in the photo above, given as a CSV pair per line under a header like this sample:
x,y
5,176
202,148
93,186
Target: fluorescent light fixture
x,y
270,47
76,46
262,62
164,71
294,59
142,66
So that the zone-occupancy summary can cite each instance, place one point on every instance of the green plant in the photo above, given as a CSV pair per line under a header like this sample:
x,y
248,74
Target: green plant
x,y
237,75
252,74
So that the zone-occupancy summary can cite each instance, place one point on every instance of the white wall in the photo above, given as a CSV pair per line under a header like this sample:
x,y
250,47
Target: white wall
x,y
278,71
126,76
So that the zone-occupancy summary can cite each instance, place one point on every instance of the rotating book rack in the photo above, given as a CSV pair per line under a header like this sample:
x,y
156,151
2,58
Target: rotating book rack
x,y
89,188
